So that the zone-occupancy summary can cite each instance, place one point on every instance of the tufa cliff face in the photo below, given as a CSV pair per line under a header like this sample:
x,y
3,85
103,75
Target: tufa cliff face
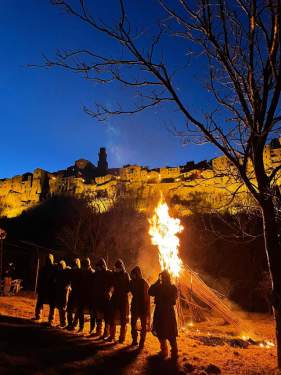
x,y
201,186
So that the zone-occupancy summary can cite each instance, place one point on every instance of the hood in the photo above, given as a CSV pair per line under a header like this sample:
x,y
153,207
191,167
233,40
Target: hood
x,y
165,277
101,264
62,265
86,264
120,264
49,259
136,272
76,263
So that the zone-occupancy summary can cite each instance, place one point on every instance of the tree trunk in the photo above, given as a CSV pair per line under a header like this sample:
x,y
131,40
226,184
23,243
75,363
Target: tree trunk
x,y
273,252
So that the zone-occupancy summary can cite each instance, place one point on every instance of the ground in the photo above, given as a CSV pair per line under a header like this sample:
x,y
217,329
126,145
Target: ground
x,y
205,348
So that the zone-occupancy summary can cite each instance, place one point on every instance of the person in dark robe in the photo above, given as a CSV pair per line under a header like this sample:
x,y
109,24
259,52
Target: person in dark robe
x,y
46,289
119,303
100,298
62,285
164,320
73,300
140,306
84,305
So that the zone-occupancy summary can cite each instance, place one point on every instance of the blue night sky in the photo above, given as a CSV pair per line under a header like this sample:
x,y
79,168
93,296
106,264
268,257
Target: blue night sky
x,y
42,120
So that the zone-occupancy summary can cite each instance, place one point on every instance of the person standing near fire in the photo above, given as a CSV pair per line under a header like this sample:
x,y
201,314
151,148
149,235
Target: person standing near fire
x,y
140,306
119,303
73,300
46,289
101,287
84,303
62,286
164,320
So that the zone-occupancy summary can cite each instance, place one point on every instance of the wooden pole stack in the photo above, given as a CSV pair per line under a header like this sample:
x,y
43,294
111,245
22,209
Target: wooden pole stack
x,y
190,284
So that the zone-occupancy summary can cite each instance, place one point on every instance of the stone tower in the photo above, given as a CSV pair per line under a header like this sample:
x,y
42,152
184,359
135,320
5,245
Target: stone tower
x,y
102,163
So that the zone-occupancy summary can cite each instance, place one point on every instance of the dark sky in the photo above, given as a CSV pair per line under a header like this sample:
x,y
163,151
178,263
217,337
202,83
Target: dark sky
x,y
42,121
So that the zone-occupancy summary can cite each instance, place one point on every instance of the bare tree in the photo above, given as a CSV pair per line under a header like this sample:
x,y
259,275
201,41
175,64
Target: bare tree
x,y
240,43
118,231
80,234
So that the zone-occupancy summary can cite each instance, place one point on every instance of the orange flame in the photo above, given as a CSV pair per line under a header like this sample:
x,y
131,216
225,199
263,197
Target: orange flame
x,y
163,231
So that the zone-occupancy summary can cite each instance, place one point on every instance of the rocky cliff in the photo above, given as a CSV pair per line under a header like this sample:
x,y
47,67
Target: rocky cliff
x,y
205,185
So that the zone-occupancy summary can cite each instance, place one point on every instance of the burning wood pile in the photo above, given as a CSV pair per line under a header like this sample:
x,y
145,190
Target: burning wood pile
x,y
163,231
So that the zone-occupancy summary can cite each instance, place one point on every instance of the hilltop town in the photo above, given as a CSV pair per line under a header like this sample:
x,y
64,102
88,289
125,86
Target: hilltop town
x,y
213,182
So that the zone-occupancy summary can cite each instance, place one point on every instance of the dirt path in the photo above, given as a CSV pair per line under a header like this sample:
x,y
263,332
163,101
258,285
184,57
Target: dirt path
x,y
27,348
30,348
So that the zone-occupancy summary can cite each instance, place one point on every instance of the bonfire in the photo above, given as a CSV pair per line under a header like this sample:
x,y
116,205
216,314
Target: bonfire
x,y
164,231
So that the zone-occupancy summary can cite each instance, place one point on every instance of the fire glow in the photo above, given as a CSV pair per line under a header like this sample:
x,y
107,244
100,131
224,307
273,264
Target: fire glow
x,y
163,231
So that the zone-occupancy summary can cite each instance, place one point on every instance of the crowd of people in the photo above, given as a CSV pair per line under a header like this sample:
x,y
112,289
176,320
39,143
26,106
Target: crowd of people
x,y
104,295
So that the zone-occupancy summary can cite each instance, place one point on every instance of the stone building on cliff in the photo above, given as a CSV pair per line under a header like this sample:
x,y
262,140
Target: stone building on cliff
x,y
183,185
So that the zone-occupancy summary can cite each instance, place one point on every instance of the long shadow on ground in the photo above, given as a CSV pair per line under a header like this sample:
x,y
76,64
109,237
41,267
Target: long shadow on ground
x,y
28,348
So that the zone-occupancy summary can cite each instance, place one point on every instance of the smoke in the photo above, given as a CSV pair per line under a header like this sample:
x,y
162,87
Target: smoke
x,y
116,153
149,263
119,149
114,149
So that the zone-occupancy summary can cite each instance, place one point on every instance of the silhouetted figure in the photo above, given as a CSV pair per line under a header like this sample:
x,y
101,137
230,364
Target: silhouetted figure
x,y
119,303
140,306
84,304
8,276
164,319
46,289
10,271
62,286
73,300
102,281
